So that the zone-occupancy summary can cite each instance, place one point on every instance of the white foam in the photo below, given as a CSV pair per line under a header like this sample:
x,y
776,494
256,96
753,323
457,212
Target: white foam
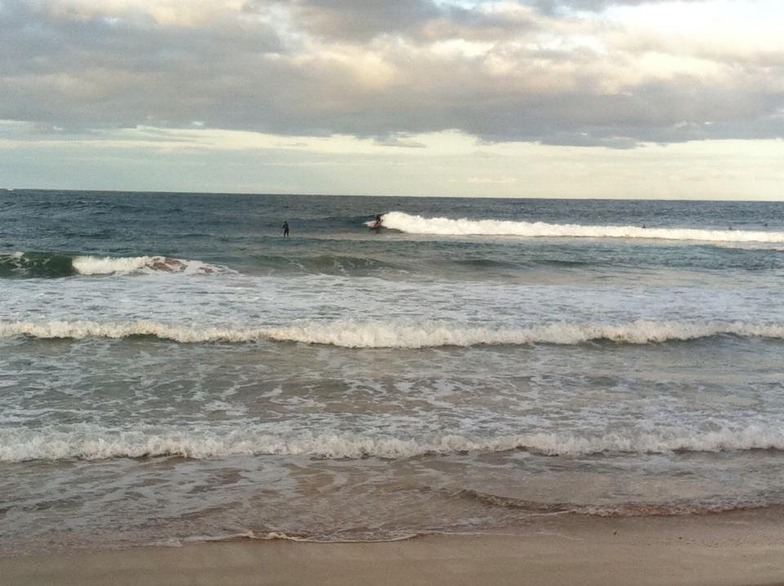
x,y
377,334
92,442
107,265
434,334
414,224
93,265
82,329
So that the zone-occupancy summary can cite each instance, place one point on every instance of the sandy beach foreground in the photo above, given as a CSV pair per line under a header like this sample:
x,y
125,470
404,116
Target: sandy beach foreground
x,y
740,548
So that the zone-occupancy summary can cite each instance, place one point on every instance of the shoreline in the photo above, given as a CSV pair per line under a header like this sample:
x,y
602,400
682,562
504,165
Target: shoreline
x,y
740,548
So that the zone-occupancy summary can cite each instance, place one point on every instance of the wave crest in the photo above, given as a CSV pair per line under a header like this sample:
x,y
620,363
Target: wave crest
x,y
56,264
107,265
414,224
352,334
35,264
93,442
436,334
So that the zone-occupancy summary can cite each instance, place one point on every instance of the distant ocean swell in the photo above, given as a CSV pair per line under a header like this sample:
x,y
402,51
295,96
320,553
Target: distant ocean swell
x,y
93,442
414,224
380,334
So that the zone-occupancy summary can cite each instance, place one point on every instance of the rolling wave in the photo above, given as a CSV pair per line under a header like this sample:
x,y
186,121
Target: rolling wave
x,y
95,442
55,264
94,265
36,264
413,224
353,334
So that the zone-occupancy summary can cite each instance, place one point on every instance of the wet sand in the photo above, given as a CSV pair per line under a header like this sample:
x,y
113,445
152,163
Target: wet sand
x,y
739,548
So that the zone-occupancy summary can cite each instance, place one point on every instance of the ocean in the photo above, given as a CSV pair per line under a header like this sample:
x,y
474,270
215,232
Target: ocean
x,y
174,370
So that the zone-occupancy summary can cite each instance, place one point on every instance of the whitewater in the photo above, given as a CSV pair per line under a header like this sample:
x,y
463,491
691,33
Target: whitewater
x,y
415,224
172,369
385,335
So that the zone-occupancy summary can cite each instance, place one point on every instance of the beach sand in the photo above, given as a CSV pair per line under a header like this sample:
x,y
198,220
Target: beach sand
x,y
738,548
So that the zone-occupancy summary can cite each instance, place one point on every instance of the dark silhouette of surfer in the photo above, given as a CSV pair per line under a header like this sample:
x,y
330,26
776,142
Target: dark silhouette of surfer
x,y
376,222
285,229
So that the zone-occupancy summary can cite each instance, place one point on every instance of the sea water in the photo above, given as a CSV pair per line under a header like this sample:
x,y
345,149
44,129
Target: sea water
x,y
172,369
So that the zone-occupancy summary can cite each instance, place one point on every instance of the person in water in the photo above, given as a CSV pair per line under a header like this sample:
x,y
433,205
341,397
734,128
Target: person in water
x,y
285,229
377,221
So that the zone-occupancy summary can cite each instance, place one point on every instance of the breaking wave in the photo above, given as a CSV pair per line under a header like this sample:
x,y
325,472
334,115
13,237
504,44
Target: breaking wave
x,y
54,264
94,265
94,442
352,334
36,264
414,224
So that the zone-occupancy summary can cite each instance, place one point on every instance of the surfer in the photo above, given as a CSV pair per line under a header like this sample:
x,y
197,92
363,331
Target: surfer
x,y
376,222
285,229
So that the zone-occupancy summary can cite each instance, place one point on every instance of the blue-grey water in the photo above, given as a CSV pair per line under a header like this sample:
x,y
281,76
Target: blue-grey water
x,y
173,369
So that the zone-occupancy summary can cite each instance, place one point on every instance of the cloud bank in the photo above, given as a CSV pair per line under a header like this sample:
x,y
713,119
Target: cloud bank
x,y
561,72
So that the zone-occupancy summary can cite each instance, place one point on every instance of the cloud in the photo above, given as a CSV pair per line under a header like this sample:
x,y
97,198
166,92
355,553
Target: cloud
x,y
400,142
536,71
561,6
348,20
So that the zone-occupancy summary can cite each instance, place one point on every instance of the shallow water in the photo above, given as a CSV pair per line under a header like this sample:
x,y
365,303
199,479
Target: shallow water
x,y
172,369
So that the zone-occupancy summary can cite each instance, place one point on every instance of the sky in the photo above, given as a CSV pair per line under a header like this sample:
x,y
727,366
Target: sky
x,y
512,98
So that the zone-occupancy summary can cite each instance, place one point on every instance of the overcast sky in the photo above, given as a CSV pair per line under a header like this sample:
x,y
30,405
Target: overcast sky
x,y
523,98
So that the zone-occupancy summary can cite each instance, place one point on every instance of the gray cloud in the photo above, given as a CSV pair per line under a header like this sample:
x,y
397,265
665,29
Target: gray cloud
x,y
362,21
559,6
374,69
